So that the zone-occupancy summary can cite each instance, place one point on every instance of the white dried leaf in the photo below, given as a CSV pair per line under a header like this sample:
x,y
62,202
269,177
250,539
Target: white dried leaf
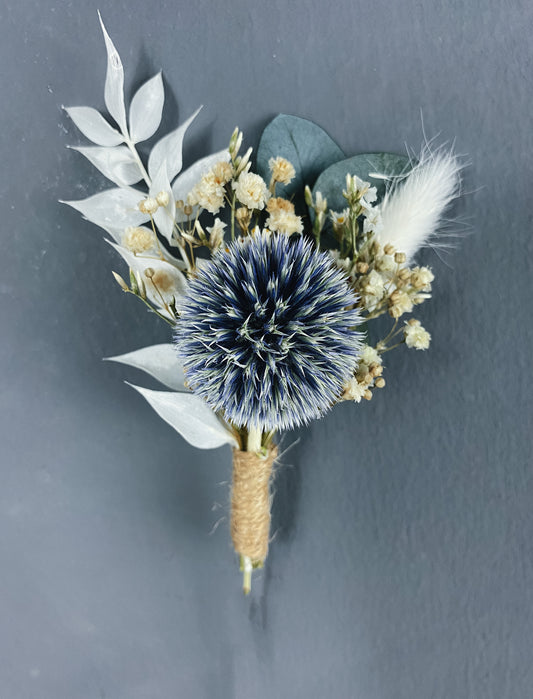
x,y
190,416
146,109
116,233
165,215
93,125
160,361
171,283
184,183
114,82
169,148
112,208
117,164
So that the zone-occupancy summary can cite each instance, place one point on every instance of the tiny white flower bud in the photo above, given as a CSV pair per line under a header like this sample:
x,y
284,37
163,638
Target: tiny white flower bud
x,y
120,281
148,205
163,198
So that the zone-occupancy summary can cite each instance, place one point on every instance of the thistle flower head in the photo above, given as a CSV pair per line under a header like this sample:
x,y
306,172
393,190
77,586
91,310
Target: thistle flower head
x,y
267,334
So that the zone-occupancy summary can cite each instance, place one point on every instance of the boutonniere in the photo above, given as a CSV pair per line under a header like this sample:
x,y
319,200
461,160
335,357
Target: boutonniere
x,y
269,270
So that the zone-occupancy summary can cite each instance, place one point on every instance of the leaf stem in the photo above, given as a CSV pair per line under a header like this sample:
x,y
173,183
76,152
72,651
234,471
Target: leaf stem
x,y
138,160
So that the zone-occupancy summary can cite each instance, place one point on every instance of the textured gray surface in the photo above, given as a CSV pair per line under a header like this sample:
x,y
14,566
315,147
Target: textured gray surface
x,y
402,565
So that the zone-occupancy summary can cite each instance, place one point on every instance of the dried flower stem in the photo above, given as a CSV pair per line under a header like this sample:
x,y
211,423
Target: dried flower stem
x,y
253,445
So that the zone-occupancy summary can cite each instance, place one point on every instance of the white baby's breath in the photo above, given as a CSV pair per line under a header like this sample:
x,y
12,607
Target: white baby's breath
x,y
251,190
416,336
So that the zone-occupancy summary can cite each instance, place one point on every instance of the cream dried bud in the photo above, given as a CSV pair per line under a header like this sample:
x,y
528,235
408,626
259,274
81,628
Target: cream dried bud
x,y
421,277
235,142
243,217
163,198
416,336
222,172
395,296
404,274
243,163
251,190
120,281
362,267
402,303
353,390
215,239
380,383
216,234
148,205
188,237
389,249
367,395
187,210
140,284
282,170
284,221
180,204
138,239
149,272
199,230
400,257
321,203
279,204
384,263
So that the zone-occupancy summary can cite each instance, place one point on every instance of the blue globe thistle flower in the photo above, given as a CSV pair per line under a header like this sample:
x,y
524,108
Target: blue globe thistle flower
x,y
266,332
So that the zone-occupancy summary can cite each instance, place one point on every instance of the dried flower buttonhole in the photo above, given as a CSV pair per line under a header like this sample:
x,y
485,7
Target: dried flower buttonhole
x,y
266,270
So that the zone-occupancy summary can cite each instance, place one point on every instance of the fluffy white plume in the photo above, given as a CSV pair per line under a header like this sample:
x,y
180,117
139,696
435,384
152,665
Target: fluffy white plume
x,y
413,207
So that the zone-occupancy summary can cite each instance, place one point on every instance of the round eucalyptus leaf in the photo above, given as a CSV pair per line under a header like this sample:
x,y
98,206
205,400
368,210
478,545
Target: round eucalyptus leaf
x,y
376,168
307,146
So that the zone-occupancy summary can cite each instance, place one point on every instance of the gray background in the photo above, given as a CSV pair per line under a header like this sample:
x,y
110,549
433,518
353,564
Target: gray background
x,y
402,566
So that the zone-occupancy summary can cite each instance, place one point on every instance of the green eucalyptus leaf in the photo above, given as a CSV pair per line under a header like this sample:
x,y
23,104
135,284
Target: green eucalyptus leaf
x,y
375,168
308,147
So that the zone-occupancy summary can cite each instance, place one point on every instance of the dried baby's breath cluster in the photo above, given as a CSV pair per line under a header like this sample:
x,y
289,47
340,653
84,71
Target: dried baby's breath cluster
x,y
378,272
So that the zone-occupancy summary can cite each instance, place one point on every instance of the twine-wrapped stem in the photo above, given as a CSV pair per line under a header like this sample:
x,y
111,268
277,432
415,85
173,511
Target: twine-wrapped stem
x,y
250,504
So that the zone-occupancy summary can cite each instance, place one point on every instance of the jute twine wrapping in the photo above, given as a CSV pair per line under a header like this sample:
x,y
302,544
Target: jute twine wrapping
x,y
250,503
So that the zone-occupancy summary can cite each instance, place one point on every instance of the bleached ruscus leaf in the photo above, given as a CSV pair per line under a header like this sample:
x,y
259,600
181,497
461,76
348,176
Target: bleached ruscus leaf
x,y
93,125
146,109
114,82
160,361
112,208
169,148
118,164
190,416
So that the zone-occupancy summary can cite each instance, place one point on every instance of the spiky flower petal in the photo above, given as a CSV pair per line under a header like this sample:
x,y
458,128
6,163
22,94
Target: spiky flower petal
x,y
267,332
